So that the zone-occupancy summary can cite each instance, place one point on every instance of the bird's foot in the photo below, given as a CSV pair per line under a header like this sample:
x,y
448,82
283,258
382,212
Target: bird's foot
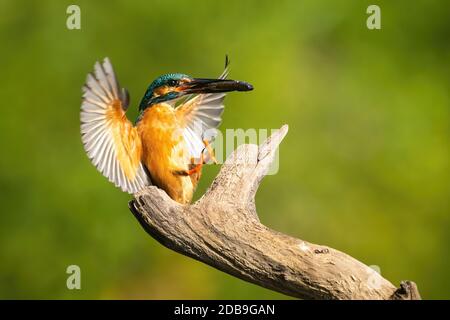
x,y
197,168
210,150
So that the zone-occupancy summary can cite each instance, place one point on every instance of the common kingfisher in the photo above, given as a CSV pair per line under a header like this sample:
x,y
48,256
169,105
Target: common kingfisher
x,y
167,145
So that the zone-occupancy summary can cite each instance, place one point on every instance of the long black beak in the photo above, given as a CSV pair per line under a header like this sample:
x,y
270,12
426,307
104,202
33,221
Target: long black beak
x,y
215,85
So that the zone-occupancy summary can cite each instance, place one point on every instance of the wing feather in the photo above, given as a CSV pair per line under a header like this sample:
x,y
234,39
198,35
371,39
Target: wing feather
x,y
201,113
110,140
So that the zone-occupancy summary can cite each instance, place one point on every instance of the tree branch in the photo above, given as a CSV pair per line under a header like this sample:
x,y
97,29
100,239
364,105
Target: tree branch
x,y
222,229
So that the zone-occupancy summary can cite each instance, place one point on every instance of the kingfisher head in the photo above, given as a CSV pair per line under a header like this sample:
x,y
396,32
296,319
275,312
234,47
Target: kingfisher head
x,y
175,85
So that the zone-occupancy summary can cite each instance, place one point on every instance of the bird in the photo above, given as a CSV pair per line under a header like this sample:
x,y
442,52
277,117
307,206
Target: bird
x,y
167,145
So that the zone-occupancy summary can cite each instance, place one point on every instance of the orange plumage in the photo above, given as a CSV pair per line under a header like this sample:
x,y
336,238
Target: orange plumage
x,y
165,151
125,135
165,143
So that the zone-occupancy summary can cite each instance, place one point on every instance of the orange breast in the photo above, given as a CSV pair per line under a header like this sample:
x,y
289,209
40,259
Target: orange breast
x,y
164,151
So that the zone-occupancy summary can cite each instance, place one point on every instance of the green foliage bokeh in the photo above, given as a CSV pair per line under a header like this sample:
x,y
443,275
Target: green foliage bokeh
x,y
364,168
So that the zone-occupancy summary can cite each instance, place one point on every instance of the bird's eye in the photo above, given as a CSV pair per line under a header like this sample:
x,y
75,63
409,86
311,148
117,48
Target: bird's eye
x,y
172,83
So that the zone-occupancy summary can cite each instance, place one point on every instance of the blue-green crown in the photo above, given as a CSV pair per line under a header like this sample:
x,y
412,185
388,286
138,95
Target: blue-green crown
x,y
158,82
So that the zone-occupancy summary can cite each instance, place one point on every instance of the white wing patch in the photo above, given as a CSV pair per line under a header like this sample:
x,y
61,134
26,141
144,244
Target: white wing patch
x,y
110,140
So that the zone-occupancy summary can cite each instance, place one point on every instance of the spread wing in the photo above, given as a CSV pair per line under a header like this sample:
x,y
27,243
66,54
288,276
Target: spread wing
x,y
109,138
201,115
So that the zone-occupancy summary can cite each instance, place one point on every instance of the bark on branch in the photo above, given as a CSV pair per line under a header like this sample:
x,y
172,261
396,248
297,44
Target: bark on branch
x,y
222,229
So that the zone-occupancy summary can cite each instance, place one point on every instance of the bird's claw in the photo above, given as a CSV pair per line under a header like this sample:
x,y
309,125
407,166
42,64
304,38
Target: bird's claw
x,y
210,150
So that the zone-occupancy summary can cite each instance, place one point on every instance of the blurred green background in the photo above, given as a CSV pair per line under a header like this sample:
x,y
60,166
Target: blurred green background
x,y
364,168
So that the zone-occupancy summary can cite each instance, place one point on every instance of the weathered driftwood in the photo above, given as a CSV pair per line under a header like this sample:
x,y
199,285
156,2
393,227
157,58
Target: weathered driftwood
x,y
222,229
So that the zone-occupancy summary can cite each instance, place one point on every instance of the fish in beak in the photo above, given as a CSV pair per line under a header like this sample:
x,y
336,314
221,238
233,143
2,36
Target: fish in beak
x,y
198,85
